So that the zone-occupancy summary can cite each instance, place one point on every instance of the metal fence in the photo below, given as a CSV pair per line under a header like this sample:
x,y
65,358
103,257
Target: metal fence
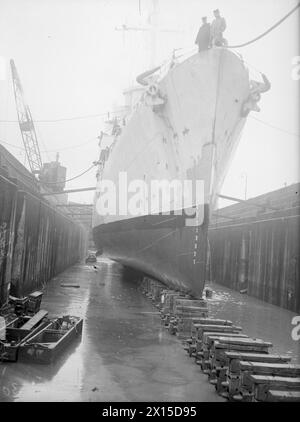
x,y
36,241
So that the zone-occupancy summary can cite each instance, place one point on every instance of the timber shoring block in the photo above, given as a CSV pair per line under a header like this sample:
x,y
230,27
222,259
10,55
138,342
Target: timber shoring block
x,y
261,384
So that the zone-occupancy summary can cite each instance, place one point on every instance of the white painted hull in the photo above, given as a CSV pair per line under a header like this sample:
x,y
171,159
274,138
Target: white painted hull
x,y
193,137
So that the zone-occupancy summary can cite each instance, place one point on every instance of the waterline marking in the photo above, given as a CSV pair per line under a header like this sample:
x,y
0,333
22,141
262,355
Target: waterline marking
x,y
296,330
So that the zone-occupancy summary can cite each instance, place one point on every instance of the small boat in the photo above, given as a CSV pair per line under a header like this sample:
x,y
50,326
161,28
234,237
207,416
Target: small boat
x,y
18,330
11,319
47,344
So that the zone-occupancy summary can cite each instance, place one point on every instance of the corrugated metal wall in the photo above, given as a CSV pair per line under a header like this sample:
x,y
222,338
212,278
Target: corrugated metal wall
x,y
261,256
36,241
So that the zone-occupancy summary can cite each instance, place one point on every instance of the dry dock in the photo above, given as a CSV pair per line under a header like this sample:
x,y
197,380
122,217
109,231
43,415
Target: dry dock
x,y
125,354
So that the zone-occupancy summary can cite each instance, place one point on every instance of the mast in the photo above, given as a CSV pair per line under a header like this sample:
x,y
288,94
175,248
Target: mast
x,y
153,21
152,28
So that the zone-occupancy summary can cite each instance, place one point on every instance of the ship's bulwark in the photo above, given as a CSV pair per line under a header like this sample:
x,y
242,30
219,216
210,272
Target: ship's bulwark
x,y
191,137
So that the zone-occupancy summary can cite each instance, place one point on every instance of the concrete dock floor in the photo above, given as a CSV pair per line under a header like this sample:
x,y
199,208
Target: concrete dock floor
x,y
257,318
125,354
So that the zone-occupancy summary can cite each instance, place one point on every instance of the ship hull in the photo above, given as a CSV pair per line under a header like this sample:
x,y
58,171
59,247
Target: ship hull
x,y
192,136
160,246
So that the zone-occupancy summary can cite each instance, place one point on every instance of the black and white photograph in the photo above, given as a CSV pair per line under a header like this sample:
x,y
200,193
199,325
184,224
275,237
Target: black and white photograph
x,y
149,205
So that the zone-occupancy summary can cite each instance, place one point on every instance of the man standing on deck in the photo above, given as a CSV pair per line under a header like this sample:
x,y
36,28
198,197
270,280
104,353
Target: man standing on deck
x,y
218,26
203,36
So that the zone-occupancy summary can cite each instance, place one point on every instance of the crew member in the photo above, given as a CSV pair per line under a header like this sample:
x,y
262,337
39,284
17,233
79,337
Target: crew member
x,y
203,36
218,26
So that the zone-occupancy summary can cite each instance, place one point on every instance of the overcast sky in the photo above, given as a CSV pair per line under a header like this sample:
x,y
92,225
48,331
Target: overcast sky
x,y
73,63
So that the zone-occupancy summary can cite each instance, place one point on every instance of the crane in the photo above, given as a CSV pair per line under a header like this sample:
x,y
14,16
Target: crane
x,y
26,124
52,175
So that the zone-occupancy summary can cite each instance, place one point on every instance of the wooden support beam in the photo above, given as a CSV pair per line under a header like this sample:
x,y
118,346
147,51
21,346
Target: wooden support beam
x,y
71,214
75,205
216,214
68,191
248,201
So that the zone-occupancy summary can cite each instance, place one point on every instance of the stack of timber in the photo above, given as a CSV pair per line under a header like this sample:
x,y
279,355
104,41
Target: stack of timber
x,y
234,359
240,367
178,309
193,343
259,378
186,312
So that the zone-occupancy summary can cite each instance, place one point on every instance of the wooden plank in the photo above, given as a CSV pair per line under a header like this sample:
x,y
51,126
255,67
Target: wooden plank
x,y
236,357
241,344
34,320
190,315
246,341
205,341
269,379
211,321
190,302
218,328
257,357
208,337
35,294
190,310
280,369
261,384
283,396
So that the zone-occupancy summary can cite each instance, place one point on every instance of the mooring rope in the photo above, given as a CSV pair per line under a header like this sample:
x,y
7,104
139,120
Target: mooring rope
x,y
266,32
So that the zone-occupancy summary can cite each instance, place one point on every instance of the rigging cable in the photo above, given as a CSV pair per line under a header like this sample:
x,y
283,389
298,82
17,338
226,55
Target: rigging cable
x,y
31,177
52,150
275,127
64,118
75,177
268,31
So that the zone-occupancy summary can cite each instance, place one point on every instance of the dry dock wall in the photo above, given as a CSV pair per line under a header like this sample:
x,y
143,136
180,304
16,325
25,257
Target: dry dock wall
x,y
259,253
36,241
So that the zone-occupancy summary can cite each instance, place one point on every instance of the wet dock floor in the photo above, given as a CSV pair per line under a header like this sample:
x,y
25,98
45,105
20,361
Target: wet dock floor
x,y
257,318
125,354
